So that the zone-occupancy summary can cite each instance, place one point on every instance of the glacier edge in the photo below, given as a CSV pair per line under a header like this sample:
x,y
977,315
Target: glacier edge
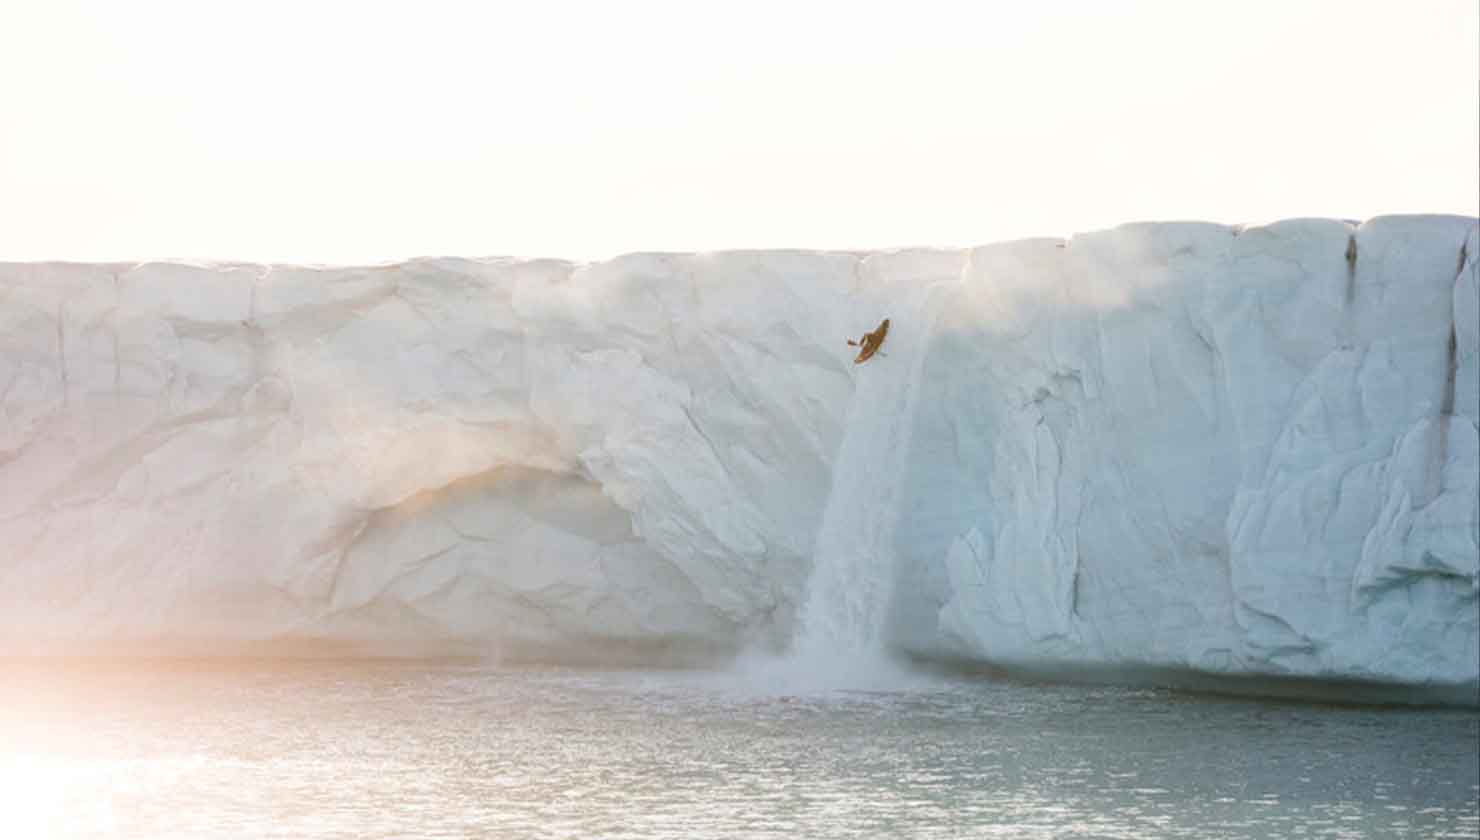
x,y
1177,446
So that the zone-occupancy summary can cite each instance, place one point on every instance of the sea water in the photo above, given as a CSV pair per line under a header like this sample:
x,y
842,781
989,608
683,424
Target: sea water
x,y
244,749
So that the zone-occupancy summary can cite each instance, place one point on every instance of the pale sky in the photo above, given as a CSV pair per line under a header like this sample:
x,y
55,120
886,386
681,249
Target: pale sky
x,y
358,131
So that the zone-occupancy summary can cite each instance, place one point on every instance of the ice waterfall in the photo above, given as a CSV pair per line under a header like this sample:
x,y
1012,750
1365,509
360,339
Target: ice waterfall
x,y
852,582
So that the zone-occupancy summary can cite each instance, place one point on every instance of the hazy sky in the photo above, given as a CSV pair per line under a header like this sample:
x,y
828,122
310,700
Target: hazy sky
x,y
359,131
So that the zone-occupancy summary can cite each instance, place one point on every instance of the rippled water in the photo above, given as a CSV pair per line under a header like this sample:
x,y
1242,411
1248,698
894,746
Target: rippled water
x,y
316,750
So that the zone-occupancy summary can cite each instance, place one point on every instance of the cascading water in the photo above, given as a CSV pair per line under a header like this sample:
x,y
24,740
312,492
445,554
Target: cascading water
x,y
852,578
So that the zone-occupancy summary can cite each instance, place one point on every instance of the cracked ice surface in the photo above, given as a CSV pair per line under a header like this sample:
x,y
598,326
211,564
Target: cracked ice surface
x,y
1172,445
437,456
1195,447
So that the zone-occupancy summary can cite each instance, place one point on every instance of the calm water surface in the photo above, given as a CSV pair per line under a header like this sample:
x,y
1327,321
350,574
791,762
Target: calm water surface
x,y
319,750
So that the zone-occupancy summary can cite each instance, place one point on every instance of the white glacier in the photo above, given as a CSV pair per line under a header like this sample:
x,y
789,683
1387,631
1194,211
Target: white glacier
x,y
1175,446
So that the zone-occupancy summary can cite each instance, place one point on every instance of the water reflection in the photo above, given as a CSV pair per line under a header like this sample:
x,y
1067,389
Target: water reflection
x,y
464,750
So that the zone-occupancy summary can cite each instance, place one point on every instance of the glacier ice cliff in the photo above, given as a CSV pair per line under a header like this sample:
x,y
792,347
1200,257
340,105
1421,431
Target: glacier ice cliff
x,y
1182,446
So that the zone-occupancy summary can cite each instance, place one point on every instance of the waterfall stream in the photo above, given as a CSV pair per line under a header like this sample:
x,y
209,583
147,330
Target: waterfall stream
x,y
854,558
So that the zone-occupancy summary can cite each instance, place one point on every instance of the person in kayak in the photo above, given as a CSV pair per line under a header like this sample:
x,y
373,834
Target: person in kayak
x,y
870,343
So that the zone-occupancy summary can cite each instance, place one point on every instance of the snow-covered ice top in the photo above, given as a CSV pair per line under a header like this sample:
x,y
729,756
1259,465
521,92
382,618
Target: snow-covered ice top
x,y
1177,446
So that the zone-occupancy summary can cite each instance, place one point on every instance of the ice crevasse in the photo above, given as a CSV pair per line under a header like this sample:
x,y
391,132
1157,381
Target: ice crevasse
x,y
1182,446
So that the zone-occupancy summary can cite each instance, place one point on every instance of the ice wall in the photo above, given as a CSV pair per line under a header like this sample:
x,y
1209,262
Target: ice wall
x,y
1189,446
1173,445
443,455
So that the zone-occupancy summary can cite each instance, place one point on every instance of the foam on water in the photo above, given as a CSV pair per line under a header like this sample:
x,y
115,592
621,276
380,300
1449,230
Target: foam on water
x,y
810,673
